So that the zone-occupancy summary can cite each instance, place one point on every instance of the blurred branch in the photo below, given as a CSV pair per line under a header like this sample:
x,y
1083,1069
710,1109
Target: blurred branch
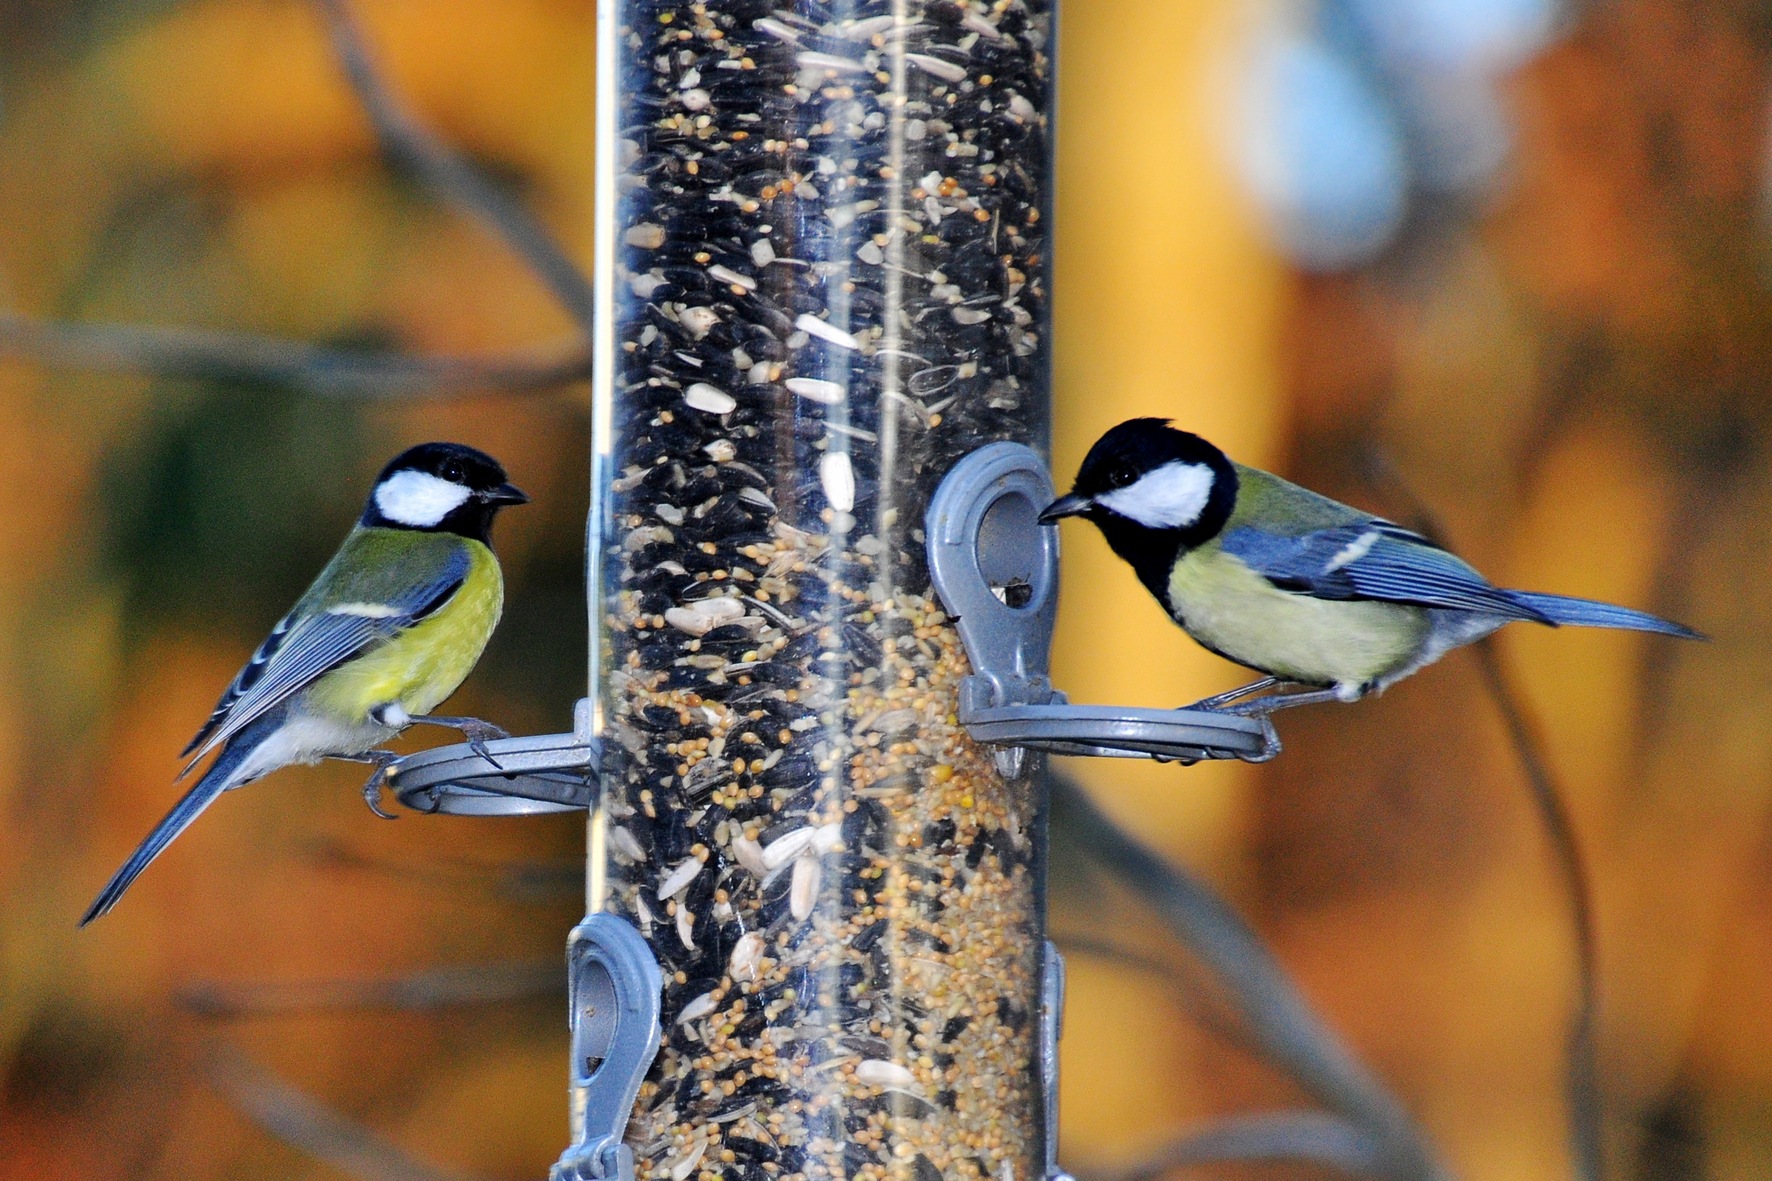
x,y
439,988
203,354
1203,1003
1109,951
223,356
411,147
303,1122
1277,1016
1707,488
1582,1082
1291,1135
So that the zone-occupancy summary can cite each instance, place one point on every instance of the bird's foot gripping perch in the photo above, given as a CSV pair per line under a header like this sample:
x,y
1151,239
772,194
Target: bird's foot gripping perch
x,y
384,761
477,732
1260,700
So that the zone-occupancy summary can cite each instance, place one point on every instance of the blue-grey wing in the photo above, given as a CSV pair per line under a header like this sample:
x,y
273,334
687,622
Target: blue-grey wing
x,y
316,637
244,680
1372,560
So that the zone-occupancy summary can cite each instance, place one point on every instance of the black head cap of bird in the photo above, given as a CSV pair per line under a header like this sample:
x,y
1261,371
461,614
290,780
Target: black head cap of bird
x,y
1153,491
441,488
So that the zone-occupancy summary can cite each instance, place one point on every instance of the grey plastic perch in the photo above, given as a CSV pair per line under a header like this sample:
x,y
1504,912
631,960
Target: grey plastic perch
x,y
524,776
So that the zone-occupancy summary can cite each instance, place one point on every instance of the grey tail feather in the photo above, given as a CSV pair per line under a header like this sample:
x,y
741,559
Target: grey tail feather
x,y
219,778
1563,609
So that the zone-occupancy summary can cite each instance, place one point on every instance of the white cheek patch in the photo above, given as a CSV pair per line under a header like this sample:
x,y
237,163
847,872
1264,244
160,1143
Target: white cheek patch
x,y
1171,497
418,498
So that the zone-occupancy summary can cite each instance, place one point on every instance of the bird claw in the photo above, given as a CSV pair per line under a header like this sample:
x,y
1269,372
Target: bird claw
x,y
1270,741
1259,700
479,747
480,731
478,734
378,781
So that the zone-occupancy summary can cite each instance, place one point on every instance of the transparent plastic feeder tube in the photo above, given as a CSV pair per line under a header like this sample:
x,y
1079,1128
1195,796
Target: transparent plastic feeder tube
x,y
823,280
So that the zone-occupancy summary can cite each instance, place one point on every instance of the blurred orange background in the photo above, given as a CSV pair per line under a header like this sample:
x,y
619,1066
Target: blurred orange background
x,y
1567,357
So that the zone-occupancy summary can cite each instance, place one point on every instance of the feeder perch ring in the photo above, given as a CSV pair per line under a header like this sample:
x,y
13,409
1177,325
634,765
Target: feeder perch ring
x,y
525,776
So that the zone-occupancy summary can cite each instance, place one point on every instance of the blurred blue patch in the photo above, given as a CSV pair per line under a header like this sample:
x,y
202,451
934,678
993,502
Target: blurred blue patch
x,y
1322,154
1353,107
1486,36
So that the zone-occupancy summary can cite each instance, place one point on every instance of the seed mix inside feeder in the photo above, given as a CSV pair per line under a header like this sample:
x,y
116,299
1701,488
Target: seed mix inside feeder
x,y
829,270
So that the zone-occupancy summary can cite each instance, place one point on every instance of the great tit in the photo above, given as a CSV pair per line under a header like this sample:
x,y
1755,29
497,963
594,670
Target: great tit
x,y
390,628
1303,589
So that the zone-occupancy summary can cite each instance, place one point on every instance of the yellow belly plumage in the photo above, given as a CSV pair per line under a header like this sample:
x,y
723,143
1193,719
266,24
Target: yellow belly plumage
x,y
423,665
1239,614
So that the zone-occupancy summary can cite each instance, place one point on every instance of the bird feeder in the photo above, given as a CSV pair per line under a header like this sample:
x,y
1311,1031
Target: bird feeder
x,y
815,945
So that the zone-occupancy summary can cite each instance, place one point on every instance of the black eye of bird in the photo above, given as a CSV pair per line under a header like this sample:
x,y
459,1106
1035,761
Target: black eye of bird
x,y
454,472
1121,476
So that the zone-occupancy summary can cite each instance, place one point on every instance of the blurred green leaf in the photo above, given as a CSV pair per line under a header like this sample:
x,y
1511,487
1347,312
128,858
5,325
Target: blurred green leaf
x,y
225,508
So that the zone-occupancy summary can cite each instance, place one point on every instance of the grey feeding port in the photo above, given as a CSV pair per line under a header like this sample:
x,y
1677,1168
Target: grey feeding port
x,y
996,569
615,986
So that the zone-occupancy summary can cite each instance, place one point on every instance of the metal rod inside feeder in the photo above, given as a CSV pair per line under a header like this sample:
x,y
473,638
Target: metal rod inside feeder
x,y
822,241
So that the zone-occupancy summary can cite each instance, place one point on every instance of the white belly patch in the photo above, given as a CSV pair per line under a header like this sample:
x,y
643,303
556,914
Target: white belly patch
x,y
307,738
